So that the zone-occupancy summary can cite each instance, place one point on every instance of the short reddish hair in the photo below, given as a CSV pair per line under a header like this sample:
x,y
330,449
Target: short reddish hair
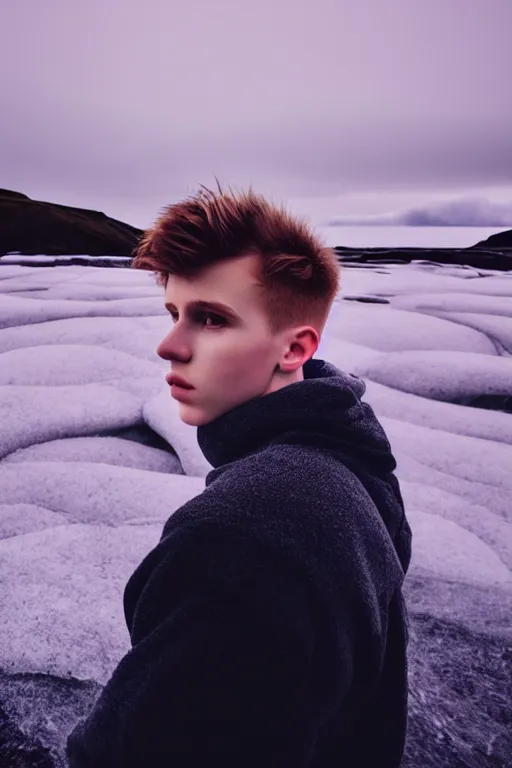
x,y
298,275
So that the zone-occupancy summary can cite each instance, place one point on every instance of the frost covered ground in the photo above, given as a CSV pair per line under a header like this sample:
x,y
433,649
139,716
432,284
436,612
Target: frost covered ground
x,y
94,458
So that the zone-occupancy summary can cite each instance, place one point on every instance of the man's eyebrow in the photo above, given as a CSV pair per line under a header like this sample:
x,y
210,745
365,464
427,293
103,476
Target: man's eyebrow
x,y
215,306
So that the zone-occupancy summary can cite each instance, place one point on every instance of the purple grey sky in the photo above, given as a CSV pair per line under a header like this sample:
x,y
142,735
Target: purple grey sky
x,y
125,106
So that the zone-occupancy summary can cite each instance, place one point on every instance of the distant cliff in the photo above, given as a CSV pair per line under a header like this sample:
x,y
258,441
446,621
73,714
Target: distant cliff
x,y
34,227
499,240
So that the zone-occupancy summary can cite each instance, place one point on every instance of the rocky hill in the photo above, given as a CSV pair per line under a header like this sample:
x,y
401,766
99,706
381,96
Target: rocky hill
x,y
499,240
34,227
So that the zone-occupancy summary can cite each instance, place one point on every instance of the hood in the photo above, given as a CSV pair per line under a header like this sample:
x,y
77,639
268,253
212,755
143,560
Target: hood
x,y
323,410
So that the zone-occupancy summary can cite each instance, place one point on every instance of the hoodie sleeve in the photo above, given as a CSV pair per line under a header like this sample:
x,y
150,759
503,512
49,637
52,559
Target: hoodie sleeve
x,y
220,670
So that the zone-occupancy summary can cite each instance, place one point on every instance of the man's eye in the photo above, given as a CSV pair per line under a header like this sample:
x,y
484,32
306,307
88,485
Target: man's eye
x,y
202,316
216,319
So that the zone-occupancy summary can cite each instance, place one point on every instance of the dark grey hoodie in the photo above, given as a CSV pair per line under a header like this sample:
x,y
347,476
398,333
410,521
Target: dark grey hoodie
x,y
268,626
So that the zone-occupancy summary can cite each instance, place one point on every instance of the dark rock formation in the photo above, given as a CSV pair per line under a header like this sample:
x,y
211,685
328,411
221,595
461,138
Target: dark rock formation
x,y
17,750
479,258
499,240
34,227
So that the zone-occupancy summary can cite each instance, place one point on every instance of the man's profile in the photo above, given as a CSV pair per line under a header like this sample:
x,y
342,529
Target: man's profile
x,y
268,626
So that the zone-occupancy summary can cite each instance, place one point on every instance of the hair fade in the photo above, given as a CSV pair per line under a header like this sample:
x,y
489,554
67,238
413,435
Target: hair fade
x,y
298,276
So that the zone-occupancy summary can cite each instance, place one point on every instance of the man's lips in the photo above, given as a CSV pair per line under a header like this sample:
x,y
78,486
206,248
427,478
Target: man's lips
x,y
177,381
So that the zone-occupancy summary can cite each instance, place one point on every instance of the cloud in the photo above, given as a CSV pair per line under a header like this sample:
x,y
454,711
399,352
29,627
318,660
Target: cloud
x,y
468,212
342,94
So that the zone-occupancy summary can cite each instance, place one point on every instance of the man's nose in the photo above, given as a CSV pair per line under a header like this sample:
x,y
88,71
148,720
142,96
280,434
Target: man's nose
x,y
173,347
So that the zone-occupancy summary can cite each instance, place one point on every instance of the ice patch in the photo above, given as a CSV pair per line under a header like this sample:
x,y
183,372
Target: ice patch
x,y
450,376
443,548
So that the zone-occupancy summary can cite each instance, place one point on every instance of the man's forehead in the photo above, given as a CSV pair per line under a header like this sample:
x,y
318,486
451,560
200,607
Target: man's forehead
x,y
231,290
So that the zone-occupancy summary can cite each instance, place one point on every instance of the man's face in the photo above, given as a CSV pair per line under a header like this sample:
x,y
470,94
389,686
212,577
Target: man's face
x,y
228,357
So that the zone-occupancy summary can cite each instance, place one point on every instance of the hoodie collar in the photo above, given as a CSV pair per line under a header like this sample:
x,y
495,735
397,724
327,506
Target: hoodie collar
x,y
324,409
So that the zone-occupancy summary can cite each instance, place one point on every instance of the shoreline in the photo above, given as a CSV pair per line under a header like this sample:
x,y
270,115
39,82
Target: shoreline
x,y
499,259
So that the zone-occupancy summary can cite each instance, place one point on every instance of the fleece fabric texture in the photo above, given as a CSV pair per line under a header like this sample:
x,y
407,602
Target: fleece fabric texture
x,y
268,626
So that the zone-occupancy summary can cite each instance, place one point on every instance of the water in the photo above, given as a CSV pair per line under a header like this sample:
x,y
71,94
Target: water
x,y
405,237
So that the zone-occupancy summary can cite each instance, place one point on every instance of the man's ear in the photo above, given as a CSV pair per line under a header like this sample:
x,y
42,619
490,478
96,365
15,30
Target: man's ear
x,y
308,340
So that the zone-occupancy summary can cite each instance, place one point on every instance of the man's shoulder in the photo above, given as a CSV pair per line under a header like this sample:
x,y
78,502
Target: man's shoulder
x,y
279,461
283,483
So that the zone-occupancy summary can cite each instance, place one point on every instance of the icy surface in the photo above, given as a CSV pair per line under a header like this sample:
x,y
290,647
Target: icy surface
x,y
94,457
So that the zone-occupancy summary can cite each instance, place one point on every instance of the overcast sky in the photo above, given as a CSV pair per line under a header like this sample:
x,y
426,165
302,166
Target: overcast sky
x,y
126,105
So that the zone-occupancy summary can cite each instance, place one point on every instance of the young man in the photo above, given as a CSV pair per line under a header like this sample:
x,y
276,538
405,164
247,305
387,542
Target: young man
x,y
268,626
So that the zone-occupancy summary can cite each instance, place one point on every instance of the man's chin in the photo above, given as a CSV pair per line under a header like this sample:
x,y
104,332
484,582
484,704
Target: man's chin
x,y
191,421
195,419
